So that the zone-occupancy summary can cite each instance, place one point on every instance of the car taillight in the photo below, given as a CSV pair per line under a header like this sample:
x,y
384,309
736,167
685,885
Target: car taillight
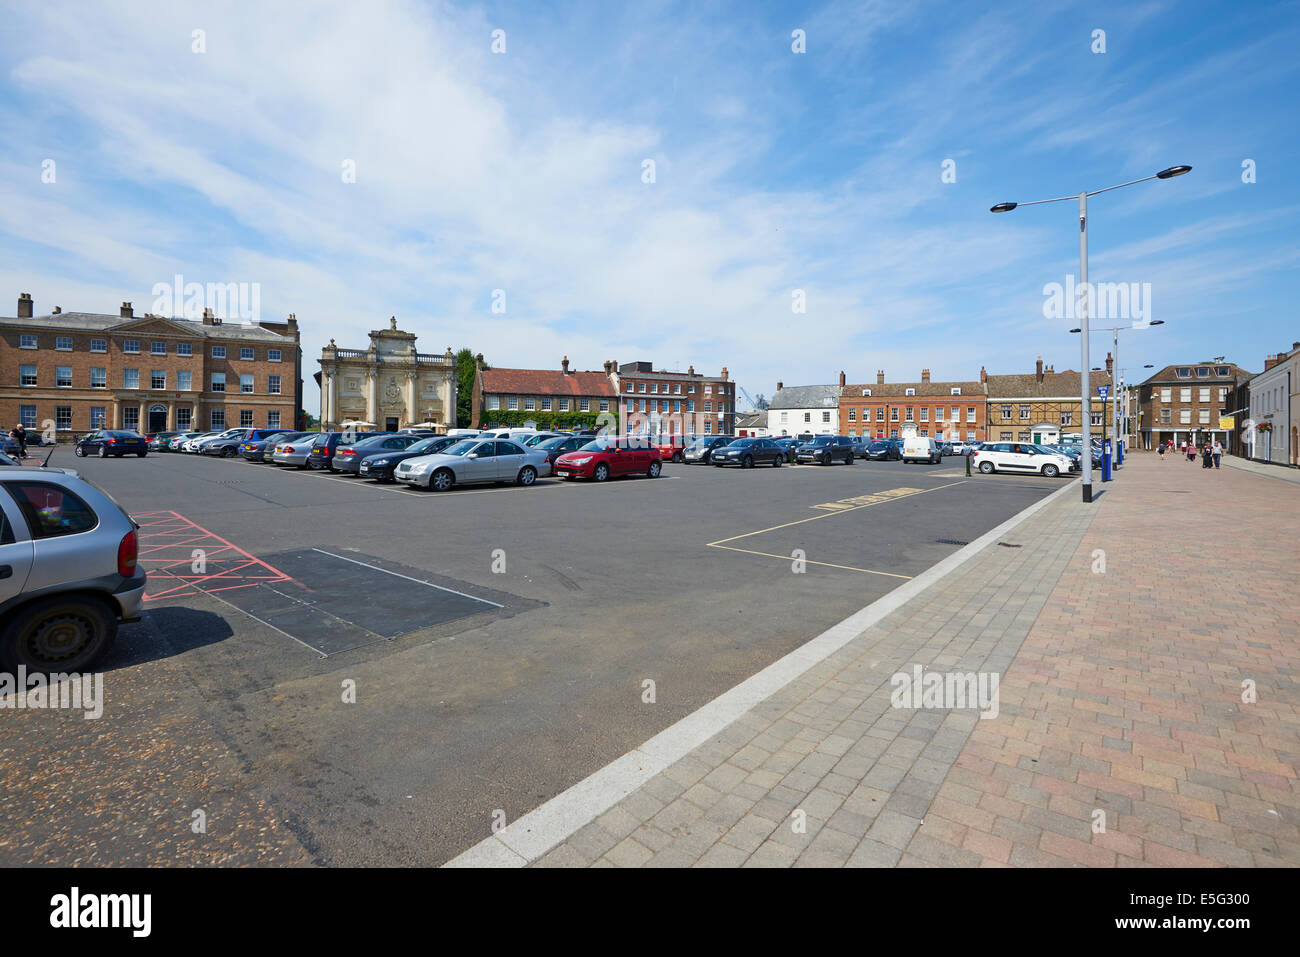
x,y
109,441
345,452
127,551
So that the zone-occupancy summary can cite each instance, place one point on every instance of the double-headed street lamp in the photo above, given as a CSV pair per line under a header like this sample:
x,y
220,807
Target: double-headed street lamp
x,y
1114,386
1169,173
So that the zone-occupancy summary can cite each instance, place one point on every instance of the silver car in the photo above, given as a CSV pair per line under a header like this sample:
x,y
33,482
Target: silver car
x,y
292,452
68,571
474,461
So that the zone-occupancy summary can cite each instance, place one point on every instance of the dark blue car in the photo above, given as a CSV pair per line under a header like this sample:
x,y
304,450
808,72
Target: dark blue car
x,y
106,442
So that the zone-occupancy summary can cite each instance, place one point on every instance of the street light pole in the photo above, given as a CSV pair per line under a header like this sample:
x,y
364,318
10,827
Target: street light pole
x,y
1084,377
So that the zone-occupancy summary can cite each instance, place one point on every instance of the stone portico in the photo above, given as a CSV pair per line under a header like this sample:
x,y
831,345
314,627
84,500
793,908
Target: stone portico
x,y
389,384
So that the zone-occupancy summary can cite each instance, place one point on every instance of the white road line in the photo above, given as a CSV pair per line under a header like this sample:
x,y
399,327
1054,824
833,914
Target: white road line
x,y
408,578
529,837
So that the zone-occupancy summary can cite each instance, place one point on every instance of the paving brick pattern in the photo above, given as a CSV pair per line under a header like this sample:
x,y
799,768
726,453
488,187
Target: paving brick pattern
x,y
1120,703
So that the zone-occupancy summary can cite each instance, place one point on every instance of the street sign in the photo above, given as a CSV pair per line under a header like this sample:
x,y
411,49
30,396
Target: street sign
x,y
1103,390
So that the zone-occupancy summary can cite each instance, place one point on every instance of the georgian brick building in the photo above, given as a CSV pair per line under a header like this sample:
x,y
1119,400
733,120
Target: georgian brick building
x,y
1044,405
77,371
1186,400
947,411
668,404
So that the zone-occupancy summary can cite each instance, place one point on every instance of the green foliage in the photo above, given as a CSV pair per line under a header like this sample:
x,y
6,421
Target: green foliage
x,y
515,419
465,372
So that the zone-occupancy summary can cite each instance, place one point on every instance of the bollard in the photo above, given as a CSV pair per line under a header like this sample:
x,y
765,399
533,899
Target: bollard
x,y
967,457
1105,465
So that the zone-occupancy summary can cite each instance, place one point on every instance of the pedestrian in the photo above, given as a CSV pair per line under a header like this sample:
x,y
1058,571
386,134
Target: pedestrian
x,y
1191,451
20,434
1162,451
1207,456
1218,453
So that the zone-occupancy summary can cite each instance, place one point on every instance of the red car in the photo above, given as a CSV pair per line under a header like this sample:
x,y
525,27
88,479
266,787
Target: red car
x,y
600,458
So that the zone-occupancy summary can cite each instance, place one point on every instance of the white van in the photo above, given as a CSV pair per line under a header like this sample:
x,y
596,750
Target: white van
x,y
516,435
920,448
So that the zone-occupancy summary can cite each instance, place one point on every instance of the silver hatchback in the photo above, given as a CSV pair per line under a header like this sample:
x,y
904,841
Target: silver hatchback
x,y
68,570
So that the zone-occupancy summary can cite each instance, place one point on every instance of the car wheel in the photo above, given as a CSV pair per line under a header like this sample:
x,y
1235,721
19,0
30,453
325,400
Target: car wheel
x,y
826,458
1051,471
141,455
79,452
58,634
677,457
527,475
747,462
601,472
103,452
227,453
848,459
442,480
655,469
986,468
776,462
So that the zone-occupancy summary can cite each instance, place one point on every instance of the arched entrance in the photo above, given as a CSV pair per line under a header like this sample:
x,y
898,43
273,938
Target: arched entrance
x,y
157,418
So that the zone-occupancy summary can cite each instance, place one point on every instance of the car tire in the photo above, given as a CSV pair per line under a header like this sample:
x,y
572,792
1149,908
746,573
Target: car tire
x,y
677,458
747,462
61,633
1051,471
141,455
776,462
601,472
103,452
986,468
848,459
79,452
826,458
227,453
441,480
527,476
654,470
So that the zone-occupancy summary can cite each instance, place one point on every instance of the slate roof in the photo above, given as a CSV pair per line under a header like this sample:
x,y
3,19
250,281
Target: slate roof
x,y
1170,373
899,389
806,397
1027,386
97,322
497,381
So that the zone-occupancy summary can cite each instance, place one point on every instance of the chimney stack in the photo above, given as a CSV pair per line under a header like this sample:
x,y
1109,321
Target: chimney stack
x,y
780,386
127,311
1038,372
925,375
880,377
690,370
1269,362
57,310
724,373
606,367
984,376
841,378
25,305
209,317
1110,365
478,361
564,364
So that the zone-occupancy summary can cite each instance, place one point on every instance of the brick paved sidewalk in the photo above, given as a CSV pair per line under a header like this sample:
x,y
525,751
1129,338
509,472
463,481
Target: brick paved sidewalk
x,y
1120,693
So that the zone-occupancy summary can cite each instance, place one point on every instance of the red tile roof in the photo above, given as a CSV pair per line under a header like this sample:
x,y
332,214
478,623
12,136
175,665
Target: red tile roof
x,y
545,382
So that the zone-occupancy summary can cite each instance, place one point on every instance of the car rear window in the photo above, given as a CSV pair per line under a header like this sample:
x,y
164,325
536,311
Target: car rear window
x,y
51,510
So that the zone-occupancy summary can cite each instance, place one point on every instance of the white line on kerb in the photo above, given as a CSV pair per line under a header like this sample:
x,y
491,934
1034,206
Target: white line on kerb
x,y
408,578
528,838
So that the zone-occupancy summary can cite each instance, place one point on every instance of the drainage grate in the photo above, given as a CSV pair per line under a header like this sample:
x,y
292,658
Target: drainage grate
x,y
949,541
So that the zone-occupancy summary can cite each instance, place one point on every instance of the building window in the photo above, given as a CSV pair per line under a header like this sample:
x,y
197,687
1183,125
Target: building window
x,y
26,342
826,416
184,349
97,416
219,383
866,392
1004,436
956,390
908,416
970,413
1222,371
158,348
564,405
924,432
272,355
1204,416
1185,394
273,384
909,392
1184,373
654,387
853,415
604,405
246,353
63,417
130,417
970,436
132,346
512,403
1202,372
27,375
218,352
1166,394
245,418
690,407
98,378
98,345
939,412
893,414
1096,418
130,378
273,418
925,413
1166,417
1067,418
643,387
184,381
158,379
1024,412
494,402
677,389
546,405
63,377
27,416
530,404
880,413
708,427
631,387
1205,393
63,343
1006,412
584,405
218,419
183,418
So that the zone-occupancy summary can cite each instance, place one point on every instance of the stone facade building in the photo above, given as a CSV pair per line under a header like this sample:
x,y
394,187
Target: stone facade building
x,y
389,385
75,371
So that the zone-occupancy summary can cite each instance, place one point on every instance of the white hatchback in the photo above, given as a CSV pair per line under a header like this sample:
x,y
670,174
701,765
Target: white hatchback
x,y
1020,457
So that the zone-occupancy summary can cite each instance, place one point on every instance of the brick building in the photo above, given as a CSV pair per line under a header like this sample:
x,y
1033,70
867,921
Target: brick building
x,y
1186,401
81,371
543,393
673,403
947,411
1043,406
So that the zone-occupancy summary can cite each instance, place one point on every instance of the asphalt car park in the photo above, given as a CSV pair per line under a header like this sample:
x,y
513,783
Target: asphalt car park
x,y
375,671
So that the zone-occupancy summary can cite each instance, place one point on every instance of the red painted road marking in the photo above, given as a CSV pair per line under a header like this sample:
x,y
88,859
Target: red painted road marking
x,y
163,533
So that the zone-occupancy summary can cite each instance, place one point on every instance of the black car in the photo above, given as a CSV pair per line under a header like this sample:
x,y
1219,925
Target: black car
x,y
700,452
379,464
106,442
787,445
348,455
882,450
747,453
825,449
322,450
254,450
560,445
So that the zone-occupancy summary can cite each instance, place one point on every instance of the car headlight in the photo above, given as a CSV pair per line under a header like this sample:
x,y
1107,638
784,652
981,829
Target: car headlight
x,y
580,461
376,462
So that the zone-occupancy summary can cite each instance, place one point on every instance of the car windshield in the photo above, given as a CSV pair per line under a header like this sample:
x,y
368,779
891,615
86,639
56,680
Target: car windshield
x,y
461,448
821,440
428,445
700,443
553,443
743,442
878,446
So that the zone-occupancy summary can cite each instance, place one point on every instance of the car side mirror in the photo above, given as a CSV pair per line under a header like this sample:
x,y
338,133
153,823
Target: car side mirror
x,y
472,455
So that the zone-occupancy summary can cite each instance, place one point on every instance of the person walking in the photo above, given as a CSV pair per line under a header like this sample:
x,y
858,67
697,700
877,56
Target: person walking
x,y
1207,456
20,434
1162,451
1218,452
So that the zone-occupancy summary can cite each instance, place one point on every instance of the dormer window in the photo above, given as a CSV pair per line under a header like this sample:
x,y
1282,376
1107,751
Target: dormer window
x,y
866,392
956,390
909,392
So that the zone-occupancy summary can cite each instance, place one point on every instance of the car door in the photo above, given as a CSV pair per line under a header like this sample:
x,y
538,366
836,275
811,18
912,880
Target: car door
x,y
16,549
510,458
480,468
1018,458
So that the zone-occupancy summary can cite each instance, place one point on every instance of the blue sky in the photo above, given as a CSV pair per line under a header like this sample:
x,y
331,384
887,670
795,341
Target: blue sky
x,y
774,172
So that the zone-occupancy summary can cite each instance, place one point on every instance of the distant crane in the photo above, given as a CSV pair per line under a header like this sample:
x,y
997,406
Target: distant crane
x,y
753,406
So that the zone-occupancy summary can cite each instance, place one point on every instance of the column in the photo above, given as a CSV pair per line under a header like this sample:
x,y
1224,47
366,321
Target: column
x,y
143,425
326,382
372,396
171,416
411,378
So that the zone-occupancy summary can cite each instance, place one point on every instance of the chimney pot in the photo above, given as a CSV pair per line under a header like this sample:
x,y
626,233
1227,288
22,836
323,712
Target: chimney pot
x,y
925,375
1038,370
690,370
564,364
1110,364
25,305
984,376
127,311
880,377
841,378
724,373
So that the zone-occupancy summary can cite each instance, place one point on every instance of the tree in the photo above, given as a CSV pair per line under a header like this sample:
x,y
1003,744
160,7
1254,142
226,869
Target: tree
x,y
465,374
761,403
